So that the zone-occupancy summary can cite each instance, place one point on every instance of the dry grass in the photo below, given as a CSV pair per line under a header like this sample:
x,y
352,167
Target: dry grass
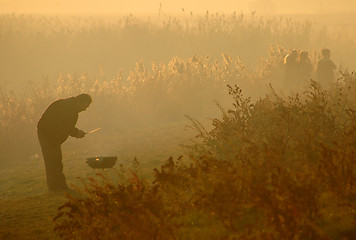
x,y
90,44
278,164
145,98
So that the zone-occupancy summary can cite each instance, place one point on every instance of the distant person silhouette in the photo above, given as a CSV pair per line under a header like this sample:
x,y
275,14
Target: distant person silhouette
x,y
305,66
291,69
55,126
326,67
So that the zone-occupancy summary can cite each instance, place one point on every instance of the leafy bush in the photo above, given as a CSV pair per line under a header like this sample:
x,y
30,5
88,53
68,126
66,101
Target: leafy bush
x,y
274,169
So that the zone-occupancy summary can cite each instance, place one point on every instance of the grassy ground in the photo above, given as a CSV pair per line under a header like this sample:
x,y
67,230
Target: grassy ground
x,y
27,209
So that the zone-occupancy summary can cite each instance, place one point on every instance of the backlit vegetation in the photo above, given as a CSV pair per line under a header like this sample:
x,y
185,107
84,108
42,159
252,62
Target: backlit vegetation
x,y
278,163
50,45
164,93
277,168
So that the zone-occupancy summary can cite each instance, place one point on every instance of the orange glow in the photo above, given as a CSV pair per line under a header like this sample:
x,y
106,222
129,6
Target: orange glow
x,y
175,7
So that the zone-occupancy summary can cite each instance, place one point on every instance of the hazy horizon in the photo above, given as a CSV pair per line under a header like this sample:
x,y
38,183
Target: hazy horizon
x,y
174,7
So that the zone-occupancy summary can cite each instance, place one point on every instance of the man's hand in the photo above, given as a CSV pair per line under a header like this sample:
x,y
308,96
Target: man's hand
x,y
80,134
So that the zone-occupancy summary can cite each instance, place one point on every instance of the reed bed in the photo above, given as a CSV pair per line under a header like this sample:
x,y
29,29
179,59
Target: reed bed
x,y
47,46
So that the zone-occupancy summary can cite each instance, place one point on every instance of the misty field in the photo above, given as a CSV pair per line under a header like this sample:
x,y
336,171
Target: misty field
x,y
47,46
211,143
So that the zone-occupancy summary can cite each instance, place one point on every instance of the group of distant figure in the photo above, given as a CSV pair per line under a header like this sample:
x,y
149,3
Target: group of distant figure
x,y
298,69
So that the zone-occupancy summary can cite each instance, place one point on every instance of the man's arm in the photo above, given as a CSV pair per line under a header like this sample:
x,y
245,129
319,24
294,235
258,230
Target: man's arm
x,y
75,132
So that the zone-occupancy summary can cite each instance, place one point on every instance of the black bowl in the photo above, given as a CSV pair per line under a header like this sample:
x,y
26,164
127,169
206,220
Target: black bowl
x,y
101,162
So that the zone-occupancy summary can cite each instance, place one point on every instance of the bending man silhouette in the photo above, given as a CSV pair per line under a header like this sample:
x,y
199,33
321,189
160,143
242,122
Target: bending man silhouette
x,y
55,126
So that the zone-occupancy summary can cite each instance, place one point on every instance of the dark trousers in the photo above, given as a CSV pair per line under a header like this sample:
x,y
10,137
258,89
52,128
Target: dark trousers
x,y
52,155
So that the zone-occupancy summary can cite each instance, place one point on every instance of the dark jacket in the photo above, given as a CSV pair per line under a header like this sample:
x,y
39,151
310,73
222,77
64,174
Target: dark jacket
x,y
58,121
325,70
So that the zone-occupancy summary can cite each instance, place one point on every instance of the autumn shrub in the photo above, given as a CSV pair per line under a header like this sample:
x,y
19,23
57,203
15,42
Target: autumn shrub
x,y
294,158
127,209
272,169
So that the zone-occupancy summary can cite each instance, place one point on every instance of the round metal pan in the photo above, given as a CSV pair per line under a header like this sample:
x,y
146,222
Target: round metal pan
x,y
101,162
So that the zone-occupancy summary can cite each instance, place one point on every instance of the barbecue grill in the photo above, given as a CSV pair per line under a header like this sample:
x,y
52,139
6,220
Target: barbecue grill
x,y
102,162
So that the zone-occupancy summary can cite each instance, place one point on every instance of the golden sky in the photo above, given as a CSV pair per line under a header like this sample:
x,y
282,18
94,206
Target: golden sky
x,y
175,6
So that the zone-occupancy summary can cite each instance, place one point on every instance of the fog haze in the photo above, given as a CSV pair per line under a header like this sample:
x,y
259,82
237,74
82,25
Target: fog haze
x,y
141,6
252,101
